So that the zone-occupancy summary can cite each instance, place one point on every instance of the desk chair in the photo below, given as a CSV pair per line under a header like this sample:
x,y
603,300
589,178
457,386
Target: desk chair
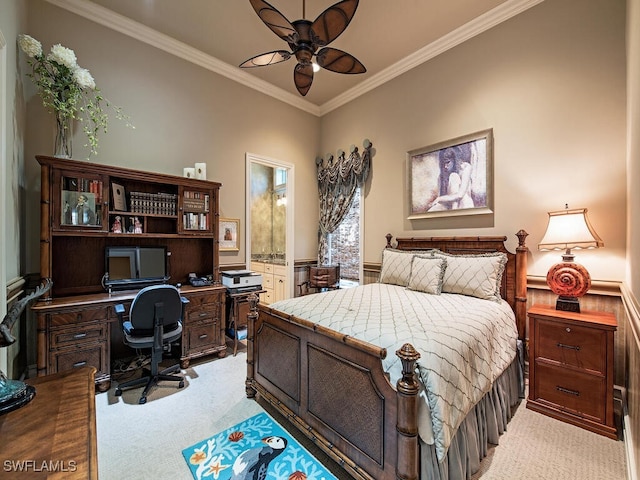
x,y
321,278
155,321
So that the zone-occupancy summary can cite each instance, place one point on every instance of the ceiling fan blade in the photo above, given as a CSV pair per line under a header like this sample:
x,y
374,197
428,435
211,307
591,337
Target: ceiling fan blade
x,y
339,61
269,58
303,77
333,21
273,19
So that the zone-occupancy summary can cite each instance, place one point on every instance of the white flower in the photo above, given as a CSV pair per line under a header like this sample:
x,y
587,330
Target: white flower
x,y
30,46
63,56
83,78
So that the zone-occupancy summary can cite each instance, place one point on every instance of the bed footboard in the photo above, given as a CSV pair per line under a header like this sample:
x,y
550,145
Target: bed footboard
x,y
332,387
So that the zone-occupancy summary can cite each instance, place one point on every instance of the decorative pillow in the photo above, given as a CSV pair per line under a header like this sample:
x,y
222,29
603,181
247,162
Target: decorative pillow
x,y
427,274
396,266
475,275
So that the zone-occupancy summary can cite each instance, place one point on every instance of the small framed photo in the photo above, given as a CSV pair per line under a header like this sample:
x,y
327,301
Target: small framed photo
x,y
79,208
452,178
119,198
229,236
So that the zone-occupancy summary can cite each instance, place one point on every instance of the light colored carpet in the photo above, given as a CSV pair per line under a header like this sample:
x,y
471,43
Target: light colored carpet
x,y
146,441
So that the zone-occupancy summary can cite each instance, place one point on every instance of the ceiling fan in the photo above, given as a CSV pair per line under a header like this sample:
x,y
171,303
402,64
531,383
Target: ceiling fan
x,y
305,38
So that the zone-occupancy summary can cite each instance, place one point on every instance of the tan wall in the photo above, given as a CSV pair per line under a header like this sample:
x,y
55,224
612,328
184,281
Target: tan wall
x,y
183,114
633,234
551,84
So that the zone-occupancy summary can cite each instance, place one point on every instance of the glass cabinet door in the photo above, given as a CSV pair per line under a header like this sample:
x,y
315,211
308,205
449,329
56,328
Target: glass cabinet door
x,y
81,201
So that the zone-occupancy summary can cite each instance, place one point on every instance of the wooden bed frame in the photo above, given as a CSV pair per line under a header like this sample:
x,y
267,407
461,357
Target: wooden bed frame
x,y
332,386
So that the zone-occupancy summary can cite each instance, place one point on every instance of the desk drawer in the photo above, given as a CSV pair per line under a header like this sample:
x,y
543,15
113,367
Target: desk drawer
x,y
203,313
79,335
94,355
203,335
572,344
196,301
74,317
574,391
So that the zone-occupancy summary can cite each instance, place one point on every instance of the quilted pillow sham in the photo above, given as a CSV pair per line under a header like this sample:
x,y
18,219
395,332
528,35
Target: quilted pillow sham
x,y
474,275
427,274
396,267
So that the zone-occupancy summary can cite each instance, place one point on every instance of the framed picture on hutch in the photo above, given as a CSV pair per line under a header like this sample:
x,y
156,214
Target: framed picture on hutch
x,y
452,178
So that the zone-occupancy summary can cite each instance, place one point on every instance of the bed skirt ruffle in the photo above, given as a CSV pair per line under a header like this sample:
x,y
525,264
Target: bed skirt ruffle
x,y
482,426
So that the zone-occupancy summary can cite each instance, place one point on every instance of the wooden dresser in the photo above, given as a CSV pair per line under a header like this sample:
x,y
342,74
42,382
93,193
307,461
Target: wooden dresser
x,y
54,435
571,367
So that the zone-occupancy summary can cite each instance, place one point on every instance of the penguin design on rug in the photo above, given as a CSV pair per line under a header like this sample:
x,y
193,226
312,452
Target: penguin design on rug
x,y
252,464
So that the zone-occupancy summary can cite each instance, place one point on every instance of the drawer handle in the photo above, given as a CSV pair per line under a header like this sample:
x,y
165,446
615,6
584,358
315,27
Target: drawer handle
x,y
203,314
204,335
80,335
570,347
79,364
566,390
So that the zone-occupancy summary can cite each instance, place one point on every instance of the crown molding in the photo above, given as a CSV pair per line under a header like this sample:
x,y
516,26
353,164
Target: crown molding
x,y
469,30
142,33
126,26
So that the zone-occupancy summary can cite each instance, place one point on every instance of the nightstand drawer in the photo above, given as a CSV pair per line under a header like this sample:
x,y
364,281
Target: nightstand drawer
x,y
577,392
571,344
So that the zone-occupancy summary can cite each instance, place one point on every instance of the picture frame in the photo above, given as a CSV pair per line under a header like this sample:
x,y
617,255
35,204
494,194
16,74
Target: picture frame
x,y
119,197
451,178
229,235
79,209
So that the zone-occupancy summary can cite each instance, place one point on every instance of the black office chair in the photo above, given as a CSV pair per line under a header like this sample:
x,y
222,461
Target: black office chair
x,y
155,321
321,278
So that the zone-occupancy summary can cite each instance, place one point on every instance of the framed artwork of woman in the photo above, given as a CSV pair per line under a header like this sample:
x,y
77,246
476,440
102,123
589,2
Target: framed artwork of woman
x,y
452,178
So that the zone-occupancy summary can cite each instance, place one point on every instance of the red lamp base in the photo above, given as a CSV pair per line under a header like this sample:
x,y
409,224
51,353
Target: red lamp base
x,y
570,281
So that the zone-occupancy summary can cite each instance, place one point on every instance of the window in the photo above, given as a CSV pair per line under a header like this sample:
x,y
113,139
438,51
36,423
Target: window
x,y
344,244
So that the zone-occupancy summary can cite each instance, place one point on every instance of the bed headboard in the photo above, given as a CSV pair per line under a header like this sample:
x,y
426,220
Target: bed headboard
x,y
514,279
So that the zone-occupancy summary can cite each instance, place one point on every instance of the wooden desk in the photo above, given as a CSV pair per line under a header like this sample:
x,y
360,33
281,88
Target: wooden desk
x,y
54,435
80,330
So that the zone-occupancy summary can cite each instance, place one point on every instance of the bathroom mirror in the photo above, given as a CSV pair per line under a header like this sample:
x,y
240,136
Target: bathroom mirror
x,y
269,232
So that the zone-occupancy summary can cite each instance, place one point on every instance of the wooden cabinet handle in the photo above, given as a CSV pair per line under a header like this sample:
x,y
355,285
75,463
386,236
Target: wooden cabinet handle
x,y
80,335
204,335
80,364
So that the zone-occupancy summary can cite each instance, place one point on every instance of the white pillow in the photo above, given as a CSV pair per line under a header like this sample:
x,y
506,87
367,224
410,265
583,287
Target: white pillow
x,y
475,275
396,267
427,274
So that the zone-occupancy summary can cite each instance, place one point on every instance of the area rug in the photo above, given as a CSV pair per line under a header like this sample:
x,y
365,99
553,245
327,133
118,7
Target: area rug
x,y
256,448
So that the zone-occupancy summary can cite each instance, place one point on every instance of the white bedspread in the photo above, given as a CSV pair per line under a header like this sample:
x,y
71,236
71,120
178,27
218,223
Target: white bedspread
x,y
465,343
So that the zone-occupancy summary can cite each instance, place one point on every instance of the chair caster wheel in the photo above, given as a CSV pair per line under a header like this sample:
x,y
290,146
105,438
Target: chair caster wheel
x,y
118,392
181,384
142,400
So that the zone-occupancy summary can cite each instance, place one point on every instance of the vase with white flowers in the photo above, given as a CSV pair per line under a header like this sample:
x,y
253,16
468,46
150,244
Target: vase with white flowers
x,y
70,92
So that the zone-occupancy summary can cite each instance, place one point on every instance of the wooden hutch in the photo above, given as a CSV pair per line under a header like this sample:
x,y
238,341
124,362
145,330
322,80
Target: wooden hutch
x,y
80,203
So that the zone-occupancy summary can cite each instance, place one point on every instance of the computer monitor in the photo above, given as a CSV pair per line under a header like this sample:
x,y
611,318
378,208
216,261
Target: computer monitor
x,y
134,267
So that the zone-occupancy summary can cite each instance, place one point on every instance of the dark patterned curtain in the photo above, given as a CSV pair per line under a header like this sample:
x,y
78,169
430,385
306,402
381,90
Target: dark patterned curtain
x,y
338,180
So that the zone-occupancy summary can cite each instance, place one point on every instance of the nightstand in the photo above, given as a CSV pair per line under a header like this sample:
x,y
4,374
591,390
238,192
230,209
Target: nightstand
x,y
571,367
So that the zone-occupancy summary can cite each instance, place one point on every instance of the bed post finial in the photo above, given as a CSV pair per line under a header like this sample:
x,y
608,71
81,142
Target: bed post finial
x,y
252,318
407,423
522,235
388,236
521,285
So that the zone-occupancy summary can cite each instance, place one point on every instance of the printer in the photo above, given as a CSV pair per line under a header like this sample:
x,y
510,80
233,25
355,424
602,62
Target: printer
x,y
238,281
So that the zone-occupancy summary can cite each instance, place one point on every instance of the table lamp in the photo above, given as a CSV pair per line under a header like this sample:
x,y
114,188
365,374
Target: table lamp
x,y
14,393
569,229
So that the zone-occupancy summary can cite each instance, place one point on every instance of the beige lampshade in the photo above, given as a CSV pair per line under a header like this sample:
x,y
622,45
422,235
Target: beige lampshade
x,y
569,229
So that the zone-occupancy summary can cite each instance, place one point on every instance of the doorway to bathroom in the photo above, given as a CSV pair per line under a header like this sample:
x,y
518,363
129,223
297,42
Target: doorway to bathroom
x,y
269,231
